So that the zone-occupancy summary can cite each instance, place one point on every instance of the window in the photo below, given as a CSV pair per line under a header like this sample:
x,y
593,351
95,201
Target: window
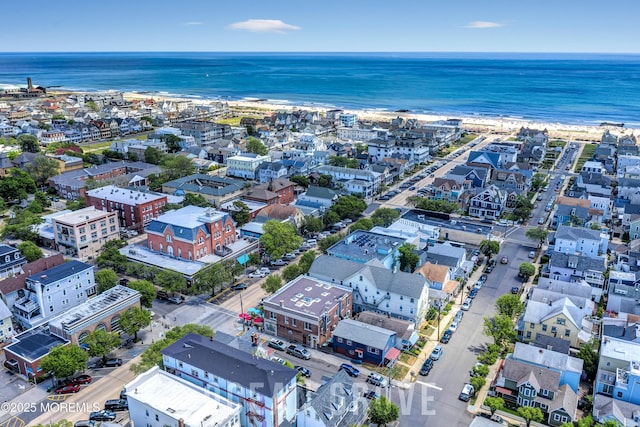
x,y
93,226
307,326
567,332
349,342
195,373
272,316
544,327
340,340
532,325
286,320
168,238
560,321
81,230
293,322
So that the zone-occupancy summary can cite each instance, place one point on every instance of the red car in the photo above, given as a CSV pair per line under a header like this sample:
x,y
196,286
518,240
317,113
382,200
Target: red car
x,y
71,388
82,379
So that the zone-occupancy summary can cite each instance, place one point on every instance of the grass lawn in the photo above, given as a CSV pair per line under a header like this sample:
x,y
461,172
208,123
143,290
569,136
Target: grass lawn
x,y
407,358
99,147
231,121
586,154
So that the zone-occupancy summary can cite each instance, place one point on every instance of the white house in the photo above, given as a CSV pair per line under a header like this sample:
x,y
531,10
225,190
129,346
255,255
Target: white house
x,y
488,204
245,165
580,241
6,326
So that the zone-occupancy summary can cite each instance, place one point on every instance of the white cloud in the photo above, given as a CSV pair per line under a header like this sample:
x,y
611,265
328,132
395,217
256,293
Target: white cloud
x,y
192,24
483,24
264,26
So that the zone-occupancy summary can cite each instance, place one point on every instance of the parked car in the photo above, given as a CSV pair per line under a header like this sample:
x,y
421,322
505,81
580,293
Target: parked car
x,y
426,367
304,371
278,360
298,351
436,353
289,256
116,405
280,262
473,292
466,305
483,278
239,287
371,395
446,336
453,327
277,344
477,285
82,379
102,416
458,316
175,300
377,379
257,275
466,393
71,388
350,370
488,269
110,363
541,220
515,290
504,260
84,423
532,254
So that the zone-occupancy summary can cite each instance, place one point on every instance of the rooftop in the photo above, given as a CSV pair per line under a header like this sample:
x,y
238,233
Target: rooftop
x,y
362,246
125,196
81,216
619,349
307,296
35,343
363,333
196,406
59,272
422,217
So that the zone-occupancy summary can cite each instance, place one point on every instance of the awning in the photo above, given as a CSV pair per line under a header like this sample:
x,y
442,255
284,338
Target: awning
x,y
392,354
506,391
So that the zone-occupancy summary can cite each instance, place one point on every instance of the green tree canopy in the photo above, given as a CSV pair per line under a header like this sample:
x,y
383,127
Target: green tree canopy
x,y
133,320
589,354
74,205
509,305
384,217
101,342
111,258
349,206
42,199
306,260
29,143
61,423
311,224
290,272
489,248
30,251
105,279
64,361
325,181
41,168
494,403
175,166
530,413
527,270
433,205
362,224
153,155
241,213
16,186
501,328
408,258
301,180
278,238
254,145
272,283
191,199
382,411
147,290
172,142
538,235
343,162
20,225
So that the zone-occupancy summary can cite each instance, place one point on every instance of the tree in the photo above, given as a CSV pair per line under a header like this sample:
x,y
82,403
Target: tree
x,y
254,145
152,155
20,225
349,206
509,305
35,207
589,354
175,167
382,411
30,251
489,248
306,260
91,105
16,186
530,413
279,238
105,279
170,280
527,270
384,217
212,279
301,180
42,199
146,289
111,258
537,181
362,224
522,210
41,168
477,382
29,143
325,181
101,342
191,199
343,162
64,360
74,205
290,272
494,403
433,205
172,142
134,319
272,283
311,224
241,213
61,423
538,235
501,328
408,258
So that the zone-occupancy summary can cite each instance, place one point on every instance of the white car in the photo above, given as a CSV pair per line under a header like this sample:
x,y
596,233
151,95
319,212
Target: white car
x,y
264,270
257,275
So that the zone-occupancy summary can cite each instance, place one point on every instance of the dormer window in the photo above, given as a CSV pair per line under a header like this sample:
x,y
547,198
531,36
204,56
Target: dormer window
x,y
7,258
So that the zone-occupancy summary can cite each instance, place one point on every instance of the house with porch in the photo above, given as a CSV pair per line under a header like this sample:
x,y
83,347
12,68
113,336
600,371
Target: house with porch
x,y
11,261
365,343
488,203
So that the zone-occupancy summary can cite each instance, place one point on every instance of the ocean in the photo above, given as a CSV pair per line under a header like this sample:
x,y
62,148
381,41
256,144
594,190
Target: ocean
x,y
569,88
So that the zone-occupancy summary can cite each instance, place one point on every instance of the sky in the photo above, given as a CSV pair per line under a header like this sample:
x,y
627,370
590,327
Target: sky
x,y
588,26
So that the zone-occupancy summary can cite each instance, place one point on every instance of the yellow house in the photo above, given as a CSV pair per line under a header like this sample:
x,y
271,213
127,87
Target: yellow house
x,y
68,163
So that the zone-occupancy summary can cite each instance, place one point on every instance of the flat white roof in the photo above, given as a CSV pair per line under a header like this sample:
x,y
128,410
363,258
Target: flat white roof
x,y
123,195
82,215
614,348
180,399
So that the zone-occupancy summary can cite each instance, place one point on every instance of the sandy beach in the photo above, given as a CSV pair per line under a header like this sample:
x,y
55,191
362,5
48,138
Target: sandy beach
x,y
473,123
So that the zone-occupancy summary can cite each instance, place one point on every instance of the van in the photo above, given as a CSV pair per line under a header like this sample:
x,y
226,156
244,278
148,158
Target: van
x,y
312,242
466,393
377,379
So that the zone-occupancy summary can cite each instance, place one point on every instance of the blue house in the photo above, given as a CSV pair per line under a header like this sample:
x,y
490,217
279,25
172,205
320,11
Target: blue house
x,y
365,343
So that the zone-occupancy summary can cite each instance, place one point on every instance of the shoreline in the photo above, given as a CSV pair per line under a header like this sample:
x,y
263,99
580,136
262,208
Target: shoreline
x,y
470,122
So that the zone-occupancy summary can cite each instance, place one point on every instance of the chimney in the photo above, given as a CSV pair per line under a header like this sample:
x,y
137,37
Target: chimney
x,y
281,303
180,422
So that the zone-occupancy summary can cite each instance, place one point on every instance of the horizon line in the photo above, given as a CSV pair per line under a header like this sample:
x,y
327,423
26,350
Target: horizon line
x,y
331,52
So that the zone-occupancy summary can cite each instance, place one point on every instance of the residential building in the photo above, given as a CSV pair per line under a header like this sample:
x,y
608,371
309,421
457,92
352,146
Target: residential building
x,y
477,175
451,255
215,189
306,310
406,332
362,246
375,288
269,171
449,190
488,203
82,233
606,408
28,348
182,404
6,325
618,370
355,181
100,312
245,165
265,389
348,120
191,233
13,288
203,132
580,241
318,197
366,343
53,292
336,403
575,268
364,134
134,209
280,191
11,261
569,367
624,292
441,285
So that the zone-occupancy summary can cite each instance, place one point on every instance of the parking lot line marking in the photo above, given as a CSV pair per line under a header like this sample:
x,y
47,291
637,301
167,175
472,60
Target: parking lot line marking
x,y
429,385
57,397
14,422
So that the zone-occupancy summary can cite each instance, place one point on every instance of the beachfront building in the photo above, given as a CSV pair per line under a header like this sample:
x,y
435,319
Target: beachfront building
x,y
11,261
191,233
265,390
134,209
83,233
348,120
306,310
245,165
54,291
364,134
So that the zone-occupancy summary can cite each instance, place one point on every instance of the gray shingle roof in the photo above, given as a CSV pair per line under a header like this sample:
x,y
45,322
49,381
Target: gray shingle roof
x,y
521,373
363,333
550,359
583,263
332,402
575,233
224,361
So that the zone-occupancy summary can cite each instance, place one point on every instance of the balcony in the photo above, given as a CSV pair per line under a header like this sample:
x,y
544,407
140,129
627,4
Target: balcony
x,y
27,307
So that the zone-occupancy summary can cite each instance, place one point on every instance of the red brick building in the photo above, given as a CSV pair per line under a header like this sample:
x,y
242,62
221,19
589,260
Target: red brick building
x,y
280,191
191,233
136,209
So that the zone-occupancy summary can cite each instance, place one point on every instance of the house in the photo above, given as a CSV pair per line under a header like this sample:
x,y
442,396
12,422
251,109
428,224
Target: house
x,y
451,255
580,241
533,153
536,135
306,309
191,233
5,163
618,370
187,405
11,261
336,403
488,203
6,325
13,288
594,183
134,209
245,165
83,233
215,189
449,190
53,291
406,332
29,348
281,213
439,280
317,197
365,343
525,384
363,246
492,159
265,389
355,181
203,132
100,312
624,292
376,288
569,367
606,408
269,171
510,180
478,176
279,191
574,268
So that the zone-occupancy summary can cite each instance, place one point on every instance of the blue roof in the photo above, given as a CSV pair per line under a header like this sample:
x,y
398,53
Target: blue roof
x,y
178,231
55,274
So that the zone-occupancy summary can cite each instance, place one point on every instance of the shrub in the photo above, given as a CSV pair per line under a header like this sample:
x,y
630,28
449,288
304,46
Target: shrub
x,y
477,382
